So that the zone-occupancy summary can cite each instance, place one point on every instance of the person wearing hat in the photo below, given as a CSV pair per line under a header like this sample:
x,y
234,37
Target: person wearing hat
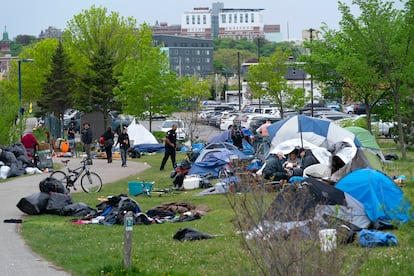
x,y
124,144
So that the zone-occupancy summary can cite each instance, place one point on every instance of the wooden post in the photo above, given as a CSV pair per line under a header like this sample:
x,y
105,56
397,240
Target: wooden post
x,y
129,225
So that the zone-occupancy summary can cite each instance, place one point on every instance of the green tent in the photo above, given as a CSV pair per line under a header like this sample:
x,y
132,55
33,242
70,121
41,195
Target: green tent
x,y
369,145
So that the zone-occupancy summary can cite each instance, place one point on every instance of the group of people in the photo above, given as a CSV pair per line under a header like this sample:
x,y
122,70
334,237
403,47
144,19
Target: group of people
x,y
279,167
108,141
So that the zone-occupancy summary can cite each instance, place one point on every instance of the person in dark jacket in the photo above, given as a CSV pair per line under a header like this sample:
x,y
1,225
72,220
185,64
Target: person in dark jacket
x,y
274,169
108,143
124,144
170,146
86,138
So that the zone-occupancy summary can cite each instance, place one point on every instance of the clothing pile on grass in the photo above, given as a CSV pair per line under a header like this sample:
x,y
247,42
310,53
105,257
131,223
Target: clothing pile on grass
x,y
14,161
54,198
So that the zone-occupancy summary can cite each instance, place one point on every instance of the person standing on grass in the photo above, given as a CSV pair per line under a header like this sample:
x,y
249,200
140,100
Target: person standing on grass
x,y
170,147
71,137
124,144
86,138
108,143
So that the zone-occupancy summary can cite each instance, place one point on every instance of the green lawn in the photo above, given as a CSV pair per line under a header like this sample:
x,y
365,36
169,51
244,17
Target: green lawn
x,y
98,249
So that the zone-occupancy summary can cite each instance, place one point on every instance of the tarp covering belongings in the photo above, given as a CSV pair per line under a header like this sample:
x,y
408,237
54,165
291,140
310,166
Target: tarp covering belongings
x,y
384,201
214,157
225,136
311,205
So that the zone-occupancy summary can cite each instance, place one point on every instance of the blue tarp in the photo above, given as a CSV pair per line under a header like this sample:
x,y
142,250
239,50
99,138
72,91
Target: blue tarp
x,y
149,148
383,200
215,157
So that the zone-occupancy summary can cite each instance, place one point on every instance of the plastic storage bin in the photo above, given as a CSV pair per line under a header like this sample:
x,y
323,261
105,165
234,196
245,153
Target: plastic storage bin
x,y
140,188
191,182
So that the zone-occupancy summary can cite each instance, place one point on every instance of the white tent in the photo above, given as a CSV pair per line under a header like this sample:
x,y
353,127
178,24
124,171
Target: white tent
x,y
138,134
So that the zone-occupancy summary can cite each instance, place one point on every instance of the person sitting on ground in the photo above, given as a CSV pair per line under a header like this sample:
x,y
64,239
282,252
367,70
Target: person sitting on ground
x,y
237,137
273,168
292,163
30,142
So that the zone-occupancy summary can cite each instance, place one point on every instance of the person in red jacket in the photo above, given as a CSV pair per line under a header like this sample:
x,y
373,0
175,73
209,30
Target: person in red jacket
x,y
29,141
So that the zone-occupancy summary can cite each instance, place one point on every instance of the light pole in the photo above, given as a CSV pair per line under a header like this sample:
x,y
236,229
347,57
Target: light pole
x,y
21,109
311,77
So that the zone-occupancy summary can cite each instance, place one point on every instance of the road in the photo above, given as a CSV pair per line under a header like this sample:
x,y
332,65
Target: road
x,y
203,132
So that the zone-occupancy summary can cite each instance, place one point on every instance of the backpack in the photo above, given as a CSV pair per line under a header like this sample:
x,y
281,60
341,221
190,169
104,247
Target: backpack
x,y
237,137
51,184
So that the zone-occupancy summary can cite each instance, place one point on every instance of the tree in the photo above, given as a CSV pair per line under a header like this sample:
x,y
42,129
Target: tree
x,y
59,85
147,83
9,107
102,44
268,79
374,54
193,91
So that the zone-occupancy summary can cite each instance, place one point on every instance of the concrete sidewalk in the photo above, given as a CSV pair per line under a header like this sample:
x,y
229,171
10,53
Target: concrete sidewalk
x,y
17,257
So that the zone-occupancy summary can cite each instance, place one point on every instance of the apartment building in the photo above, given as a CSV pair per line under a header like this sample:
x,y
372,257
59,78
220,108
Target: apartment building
x,y
188,56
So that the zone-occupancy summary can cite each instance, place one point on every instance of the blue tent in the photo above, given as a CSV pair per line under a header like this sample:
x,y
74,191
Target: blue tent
x,y
214,157
225,137
383,200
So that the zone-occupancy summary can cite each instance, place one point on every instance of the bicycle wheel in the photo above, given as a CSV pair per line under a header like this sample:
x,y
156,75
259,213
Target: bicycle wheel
x,y
91,182
62,177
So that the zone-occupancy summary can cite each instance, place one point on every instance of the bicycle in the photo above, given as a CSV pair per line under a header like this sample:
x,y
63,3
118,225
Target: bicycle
x,y
90,182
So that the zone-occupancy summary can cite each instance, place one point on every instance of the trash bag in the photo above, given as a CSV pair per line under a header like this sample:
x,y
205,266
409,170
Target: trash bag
x,y
34,204
190,234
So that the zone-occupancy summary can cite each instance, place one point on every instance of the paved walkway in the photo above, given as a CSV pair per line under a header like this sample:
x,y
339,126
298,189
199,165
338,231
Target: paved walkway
x,y
16,257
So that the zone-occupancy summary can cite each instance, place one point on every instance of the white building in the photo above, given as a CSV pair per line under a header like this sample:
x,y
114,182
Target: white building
x,y
219,22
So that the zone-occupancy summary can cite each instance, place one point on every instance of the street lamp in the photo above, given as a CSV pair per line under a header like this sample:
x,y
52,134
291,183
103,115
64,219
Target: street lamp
x,y
21,110
311,77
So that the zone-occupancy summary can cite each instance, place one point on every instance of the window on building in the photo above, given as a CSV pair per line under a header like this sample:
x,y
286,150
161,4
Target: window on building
x,y
246,18
235,18
187,60
223,18
198,52
198,19
207,60
230,18
193,19
198,67
175,52
187,52
252,17
197,60
204,19
241,18
207,52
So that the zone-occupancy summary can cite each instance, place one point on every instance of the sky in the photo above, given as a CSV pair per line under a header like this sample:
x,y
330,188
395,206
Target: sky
x,y
31,17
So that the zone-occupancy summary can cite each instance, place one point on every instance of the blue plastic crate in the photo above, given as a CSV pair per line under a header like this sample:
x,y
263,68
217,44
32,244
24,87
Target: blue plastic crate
x,y
138,188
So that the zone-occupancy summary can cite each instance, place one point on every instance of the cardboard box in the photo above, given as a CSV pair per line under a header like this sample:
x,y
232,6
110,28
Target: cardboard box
x,y
44,146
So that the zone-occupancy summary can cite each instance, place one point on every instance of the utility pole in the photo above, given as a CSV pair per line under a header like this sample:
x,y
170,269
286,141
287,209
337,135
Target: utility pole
x,y
311,77
238,70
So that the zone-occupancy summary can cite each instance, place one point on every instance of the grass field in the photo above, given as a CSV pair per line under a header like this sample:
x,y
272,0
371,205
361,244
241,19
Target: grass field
x,y
98,249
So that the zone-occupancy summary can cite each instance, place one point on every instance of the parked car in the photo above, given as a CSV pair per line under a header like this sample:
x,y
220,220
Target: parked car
x,y
182,128
349,108
257,121
228,119
119,120
360,108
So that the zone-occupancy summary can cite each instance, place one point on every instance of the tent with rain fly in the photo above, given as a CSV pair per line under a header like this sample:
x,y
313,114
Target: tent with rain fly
x,y
141,139
337,149
369,145
214,157
383,200
318,132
